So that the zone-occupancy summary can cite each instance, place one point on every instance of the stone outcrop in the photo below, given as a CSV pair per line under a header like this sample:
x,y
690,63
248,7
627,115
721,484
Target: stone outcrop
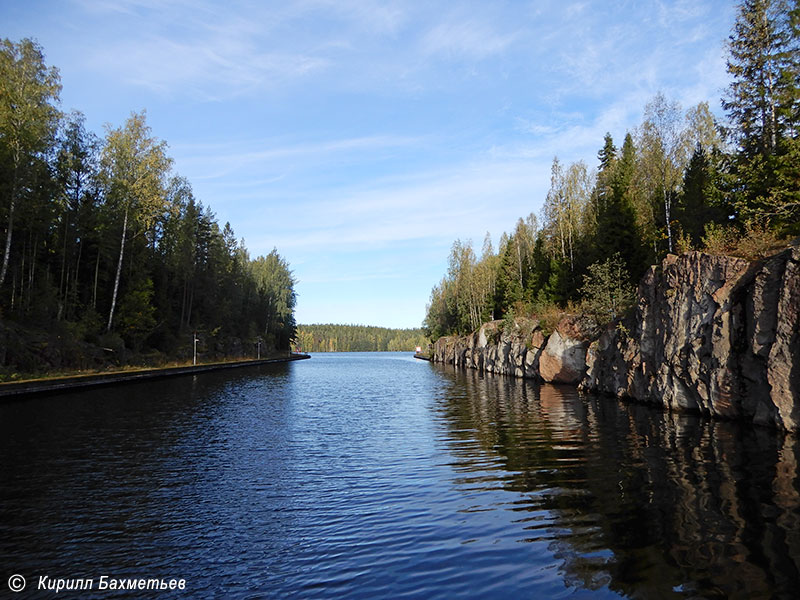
x,y
522,349
713,334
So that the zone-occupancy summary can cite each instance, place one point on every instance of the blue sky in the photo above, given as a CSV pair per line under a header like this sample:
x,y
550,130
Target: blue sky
x,y
362,138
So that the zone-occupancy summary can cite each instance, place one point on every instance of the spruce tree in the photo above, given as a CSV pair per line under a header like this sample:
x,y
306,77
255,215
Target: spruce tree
x,y
607,157
762,106
700,201
617,232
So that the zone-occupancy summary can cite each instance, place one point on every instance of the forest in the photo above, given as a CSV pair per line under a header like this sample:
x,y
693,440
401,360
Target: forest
x,y
357,338
681,180
107,256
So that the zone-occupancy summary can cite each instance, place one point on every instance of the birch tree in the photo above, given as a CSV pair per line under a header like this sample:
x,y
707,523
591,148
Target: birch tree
x,y
28,118
275,285
663,154
555,212
565,206
134,167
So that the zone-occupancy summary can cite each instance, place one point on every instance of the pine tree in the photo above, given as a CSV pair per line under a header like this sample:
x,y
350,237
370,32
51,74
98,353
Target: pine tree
x,y
76,170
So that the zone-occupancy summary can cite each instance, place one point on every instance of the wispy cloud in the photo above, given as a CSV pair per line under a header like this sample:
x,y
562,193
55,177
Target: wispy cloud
x,y
327,127
465,38
218,71
464,201
247,156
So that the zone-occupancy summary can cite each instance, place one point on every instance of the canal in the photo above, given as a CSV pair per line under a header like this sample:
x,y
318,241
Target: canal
x,y
378,476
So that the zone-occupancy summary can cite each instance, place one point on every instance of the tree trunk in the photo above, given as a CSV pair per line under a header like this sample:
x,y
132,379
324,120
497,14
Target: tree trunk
x,y
32,272
119,271
191,304
63,284
96,274
77,273
667,215
9,231
571,253
183,302
11,206
22,276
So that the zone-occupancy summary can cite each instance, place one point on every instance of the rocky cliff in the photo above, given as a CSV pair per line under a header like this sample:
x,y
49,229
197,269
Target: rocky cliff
x,y
523,349
714,334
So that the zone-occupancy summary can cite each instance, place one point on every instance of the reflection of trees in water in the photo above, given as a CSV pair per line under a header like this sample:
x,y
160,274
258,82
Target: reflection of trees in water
x,y
650,503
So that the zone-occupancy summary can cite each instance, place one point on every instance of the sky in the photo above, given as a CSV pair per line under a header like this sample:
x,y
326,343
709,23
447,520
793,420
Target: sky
x,y
362,138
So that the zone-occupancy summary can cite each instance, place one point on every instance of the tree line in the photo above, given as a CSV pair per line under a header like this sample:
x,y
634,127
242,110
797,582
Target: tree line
x,y
357,338
681,180
106,246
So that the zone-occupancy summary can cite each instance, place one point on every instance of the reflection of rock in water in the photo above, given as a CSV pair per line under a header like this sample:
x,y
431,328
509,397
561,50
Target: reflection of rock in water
x,y
648,503
712,334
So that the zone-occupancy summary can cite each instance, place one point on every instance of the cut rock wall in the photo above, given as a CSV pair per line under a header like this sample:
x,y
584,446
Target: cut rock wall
x,y
713,334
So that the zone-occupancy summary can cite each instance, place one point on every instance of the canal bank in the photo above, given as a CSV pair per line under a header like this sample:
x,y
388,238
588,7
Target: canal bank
x,y
716,335
25,389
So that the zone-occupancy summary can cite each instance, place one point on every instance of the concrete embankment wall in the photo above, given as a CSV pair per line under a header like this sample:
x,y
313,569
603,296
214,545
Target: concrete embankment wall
x,y
24,389
713,334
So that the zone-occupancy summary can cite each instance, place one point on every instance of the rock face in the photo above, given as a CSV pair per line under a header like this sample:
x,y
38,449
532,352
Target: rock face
x,y
520,348
714,334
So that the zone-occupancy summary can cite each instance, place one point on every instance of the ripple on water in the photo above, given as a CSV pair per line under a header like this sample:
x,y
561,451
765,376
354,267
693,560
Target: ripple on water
x,y
377,476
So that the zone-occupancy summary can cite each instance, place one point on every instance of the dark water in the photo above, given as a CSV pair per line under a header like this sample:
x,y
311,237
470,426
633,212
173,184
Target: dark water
x,y
372,475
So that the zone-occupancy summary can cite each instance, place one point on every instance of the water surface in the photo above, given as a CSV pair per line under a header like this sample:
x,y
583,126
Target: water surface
x,y
374,475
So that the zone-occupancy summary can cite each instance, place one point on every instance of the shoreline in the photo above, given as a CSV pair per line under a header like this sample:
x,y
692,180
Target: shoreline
x,y
36,387
710,334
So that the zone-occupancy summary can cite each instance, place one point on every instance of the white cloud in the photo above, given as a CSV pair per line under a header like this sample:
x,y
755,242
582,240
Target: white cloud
x,y
245,157
460,202
465,38
335,126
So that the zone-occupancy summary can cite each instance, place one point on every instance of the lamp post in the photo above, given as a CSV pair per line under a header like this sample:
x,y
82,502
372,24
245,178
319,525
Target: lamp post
x,y
194,354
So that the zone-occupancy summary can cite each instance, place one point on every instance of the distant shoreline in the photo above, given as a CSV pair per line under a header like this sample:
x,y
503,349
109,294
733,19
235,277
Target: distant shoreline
x,y
36,387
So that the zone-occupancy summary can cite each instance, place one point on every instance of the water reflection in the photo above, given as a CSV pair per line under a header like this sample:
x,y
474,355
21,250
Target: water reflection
x,y
377,476
645,503
135,481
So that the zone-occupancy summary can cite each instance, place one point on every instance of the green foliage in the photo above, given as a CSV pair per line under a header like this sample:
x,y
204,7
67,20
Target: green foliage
x,y
549,314
759,240
508,321
137,314
358,338
29,91
606,290
617,232
103,227
753,241
719,239
763,105
133,168
676,188
701,200
29,88
275,288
